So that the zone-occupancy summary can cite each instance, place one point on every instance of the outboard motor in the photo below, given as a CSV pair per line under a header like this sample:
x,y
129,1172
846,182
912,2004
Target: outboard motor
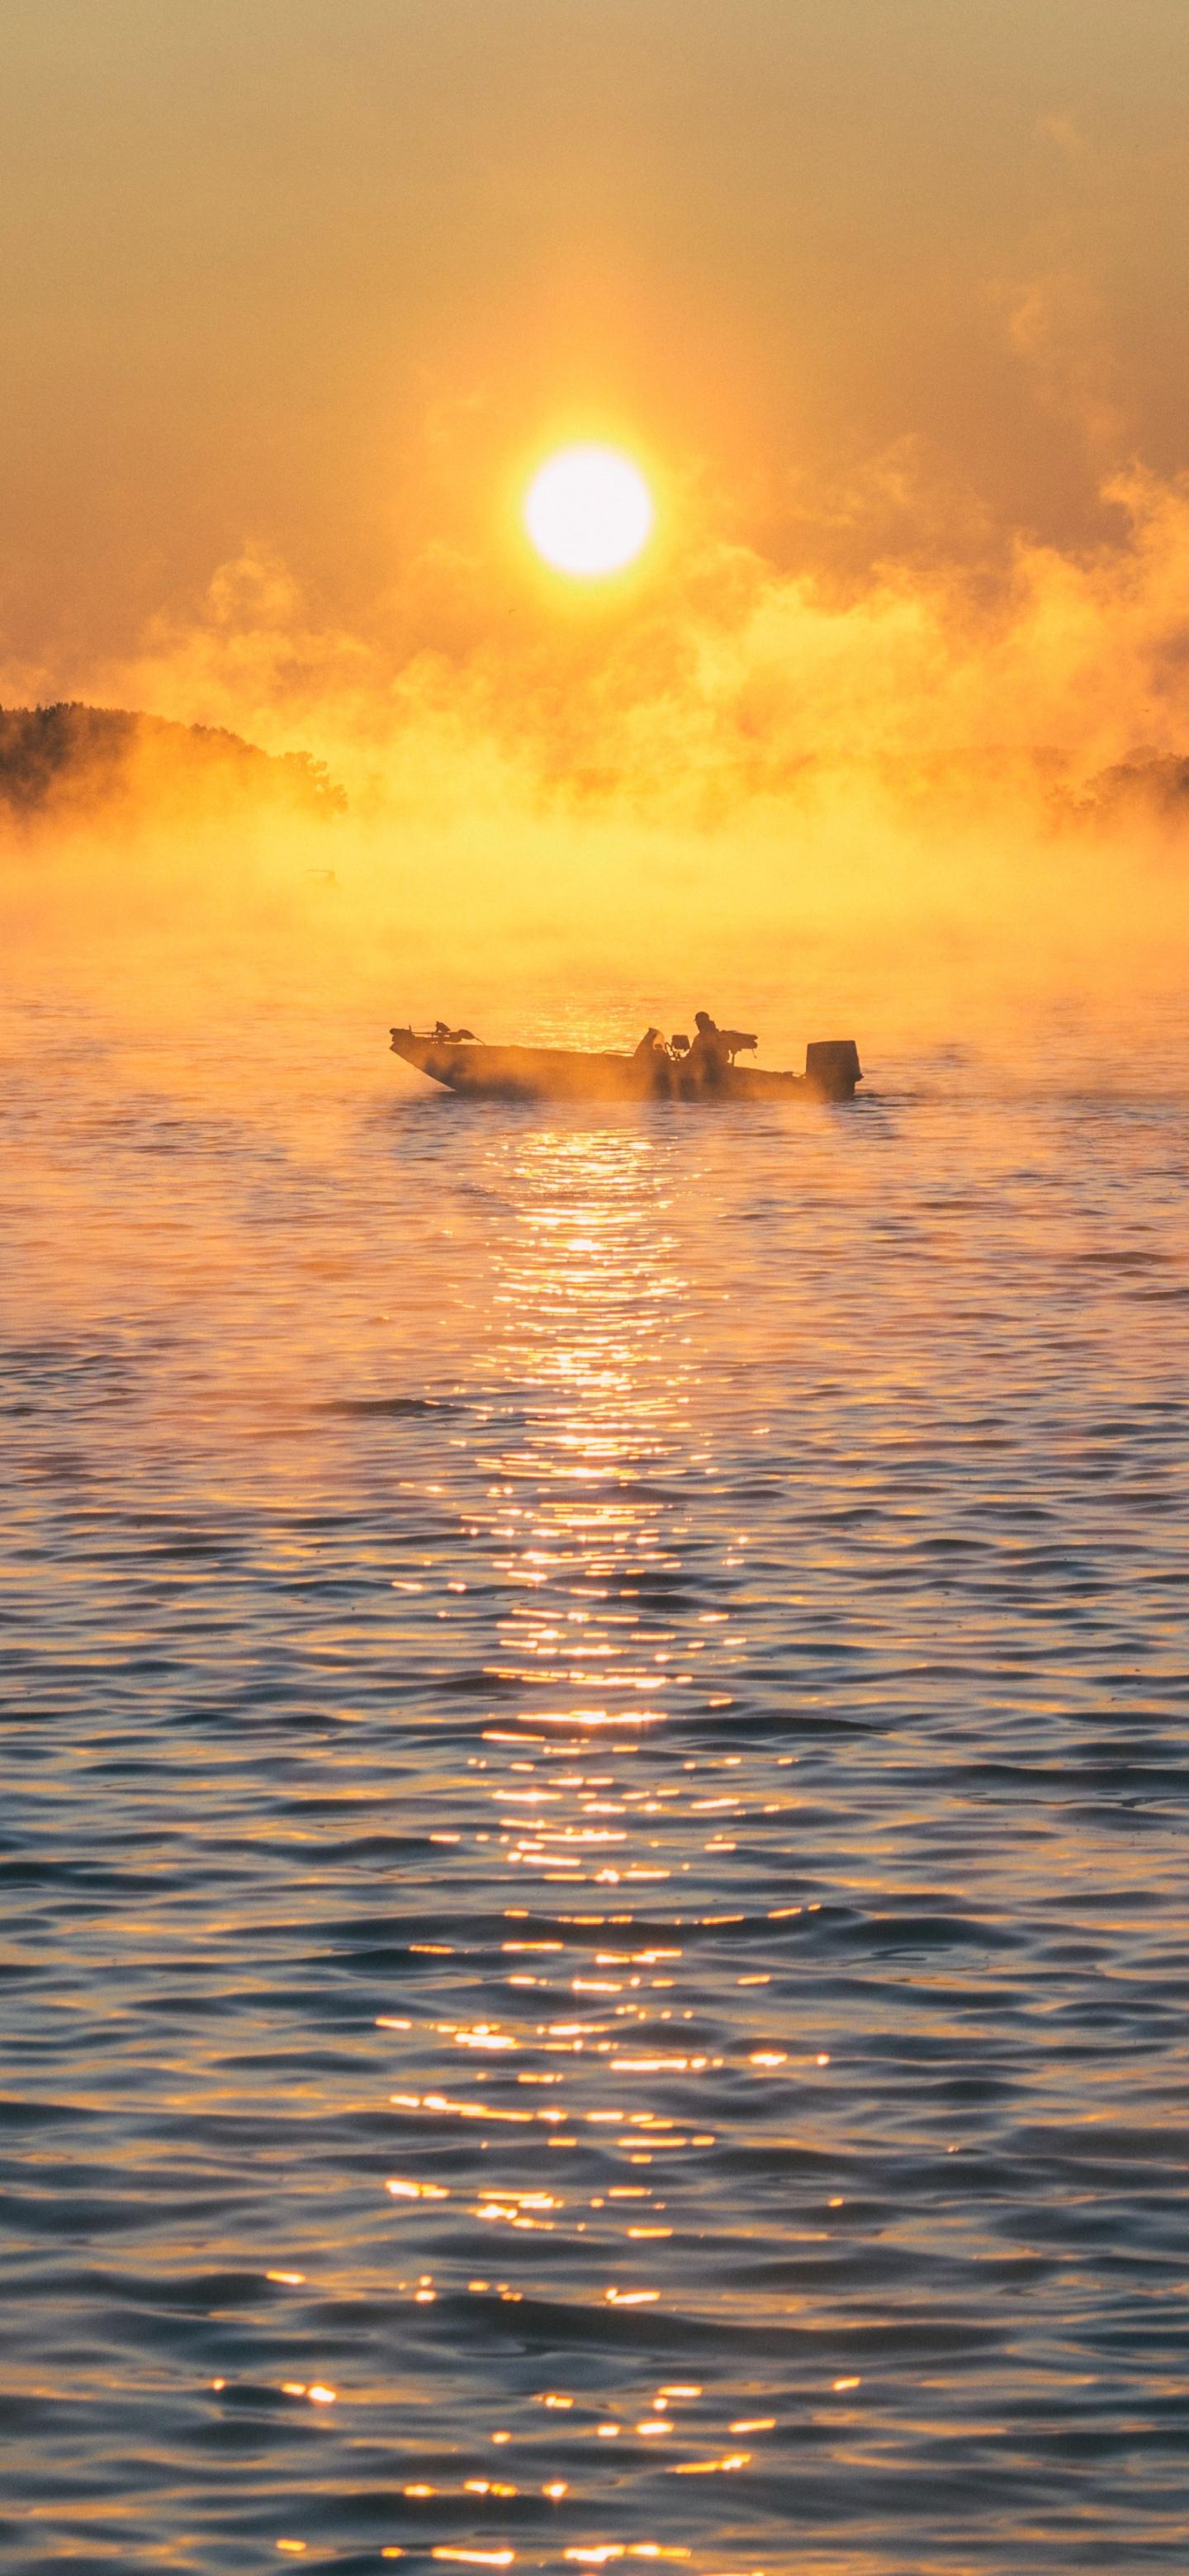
x,y
832,1068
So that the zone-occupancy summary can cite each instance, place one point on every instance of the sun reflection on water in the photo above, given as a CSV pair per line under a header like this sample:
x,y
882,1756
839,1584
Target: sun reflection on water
x,y
587,1452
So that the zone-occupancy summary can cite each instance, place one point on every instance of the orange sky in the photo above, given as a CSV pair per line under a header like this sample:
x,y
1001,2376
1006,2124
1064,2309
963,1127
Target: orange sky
x,y
313,277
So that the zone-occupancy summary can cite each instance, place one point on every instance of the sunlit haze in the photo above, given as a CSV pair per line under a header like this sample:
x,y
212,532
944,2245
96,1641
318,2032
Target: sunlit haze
x,y
885,308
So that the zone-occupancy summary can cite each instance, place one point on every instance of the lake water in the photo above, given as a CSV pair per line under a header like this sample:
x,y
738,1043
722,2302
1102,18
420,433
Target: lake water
x,y
615,1680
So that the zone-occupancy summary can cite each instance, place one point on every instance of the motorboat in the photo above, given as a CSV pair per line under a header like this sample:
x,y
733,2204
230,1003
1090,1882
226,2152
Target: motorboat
x,y
465,1064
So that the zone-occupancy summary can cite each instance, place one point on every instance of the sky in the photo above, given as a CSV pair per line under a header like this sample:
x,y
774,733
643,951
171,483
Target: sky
x,y
885,297
317,278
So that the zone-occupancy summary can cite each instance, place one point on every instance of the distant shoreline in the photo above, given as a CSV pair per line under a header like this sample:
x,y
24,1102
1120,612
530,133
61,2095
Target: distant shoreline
x,y
71,761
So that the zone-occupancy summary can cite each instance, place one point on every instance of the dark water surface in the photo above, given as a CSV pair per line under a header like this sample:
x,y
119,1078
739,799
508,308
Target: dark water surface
x,y
616,1681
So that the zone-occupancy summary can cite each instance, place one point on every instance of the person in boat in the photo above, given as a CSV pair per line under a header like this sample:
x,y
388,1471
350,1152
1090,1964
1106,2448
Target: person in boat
x,y
708,1056
651,1049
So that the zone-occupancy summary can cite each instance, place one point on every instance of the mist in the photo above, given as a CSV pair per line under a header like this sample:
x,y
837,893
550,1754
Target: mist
x,y
909,806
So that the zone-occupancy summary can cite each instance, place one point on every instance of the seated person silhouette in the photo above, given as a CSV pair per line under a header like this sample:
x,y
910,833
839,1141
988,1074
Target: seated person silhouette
x,y
707,1056
651,1046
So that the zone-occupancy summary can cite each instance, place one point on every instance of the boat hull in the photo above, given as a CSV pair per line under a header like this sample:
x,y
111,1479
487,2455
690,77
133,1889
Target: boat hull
x,y
561,1073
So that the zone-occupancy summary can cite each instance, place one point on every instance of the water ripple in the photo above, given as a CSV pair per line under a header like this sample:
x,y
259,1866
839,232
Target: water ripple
x,y
619,1682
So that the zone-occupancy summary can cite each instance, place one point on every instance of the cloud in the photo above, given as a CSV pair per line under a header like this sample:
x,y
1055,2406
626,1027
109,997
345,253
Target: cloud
x,y
722,683
871,782
1056,325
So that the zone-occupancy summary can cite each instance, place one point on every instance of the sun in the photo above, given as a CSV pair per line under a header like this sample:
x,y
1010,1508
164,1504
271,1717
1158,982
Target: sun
x,y
588,512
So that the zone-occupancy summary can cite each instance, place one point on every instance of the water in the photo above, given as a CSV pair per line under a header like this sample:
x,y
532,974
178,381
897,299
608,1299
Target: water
x,y
593,1823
